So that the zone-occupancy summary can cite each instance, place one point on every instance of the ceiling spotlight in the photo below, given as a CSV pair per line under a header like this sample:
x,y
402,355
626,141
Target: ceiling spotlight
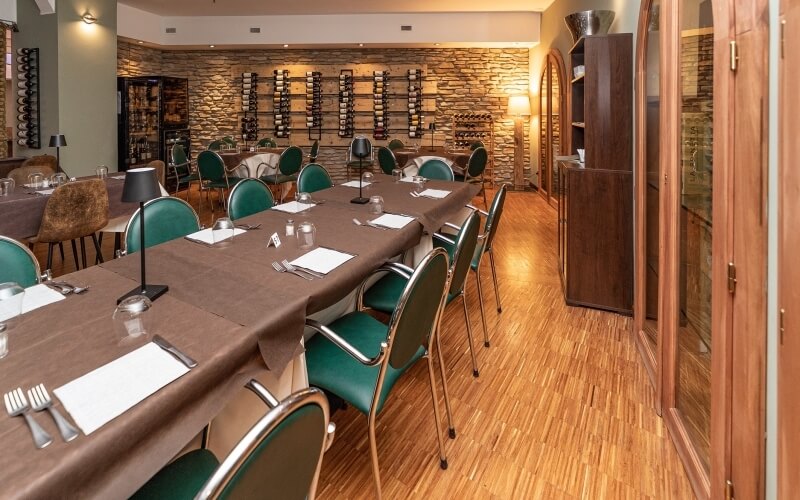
x,y
437,44
140,42
285,45
88,18
211,46
360,44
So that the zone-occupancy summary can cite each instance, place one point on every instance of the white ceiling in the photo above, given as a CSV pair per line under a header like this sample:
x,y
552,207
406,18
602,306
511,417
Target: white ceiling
x,y
299,7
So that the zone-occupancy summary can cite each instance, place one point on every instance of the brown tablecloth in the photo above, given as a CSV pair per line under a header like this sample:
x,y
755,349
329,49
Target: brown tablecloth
x,y
226,307
233,160
21,212
459,158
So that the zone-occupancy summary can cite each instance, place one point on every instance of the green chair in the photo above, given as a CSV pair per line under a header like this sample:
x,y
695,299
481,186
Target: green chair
x,y
267,142
213,175
313,178
228,140
18,264
288,165
248,197
356,163
387,160
477,144
167,219
360,359
214,146
384,294
279,457
314,152
182,169
485,246
476,165
436,169
396,144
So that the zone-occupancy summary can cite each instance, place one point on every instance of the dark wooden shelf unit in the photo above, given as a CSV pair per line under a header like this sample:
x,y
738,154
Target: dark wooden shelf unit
x,y
596,198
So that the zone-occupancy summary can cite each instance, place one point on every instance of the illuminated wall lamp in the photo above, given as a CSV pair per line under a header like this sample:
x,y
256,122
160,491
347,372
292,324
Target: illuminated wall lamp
x,y
89,18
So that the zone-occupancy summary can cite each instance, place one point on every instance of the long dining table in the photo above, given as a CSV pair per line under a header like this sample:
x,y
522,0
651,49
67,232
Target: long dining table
x,y
226,307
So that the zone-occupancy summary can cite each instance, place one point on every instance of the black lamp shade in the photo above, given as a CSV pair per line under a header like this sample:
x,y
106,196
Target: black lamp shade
x,y
432,126
140,185
361,147
58,141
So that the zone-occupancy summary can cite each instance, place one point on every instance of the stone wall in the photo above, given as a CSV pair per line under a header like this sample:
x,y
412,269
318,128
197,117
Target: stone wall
x,y
3,138
466,79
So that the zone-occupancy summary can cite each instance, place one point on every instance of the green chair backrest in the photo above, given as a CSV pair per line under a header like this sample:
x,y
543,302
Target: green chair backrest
x,y
414,318
386,160
314,151
17,263
229,140
477,144
215,145
267,142
477,162
396,144
466,241
291,160
248,197
179,155
166,219
280,455
210,166
436,169
313,178
493,219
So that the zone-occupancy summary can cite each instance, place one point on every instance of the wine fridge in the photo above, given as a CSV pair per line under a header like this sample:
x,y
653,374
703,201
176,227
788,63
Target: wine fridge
x,y
152,116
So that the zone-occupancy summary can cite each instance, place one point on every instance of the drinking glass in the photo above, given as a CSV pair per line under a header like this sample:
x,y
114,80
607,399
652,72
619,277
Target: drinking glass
x,y
58,179
368,178
35,180
101,171
133,318
304,198
223,230
397,174
306,235
11,297
419,183
7,186
376,205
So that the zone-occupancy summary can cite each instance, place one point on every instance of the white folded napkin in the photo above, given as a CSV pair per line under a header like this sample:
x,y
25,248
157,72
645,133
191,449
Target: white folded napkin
x,y
107,392
118,177
207,235
407,178
354,184
434,193
393,221
322,260
293,207
35,297
45,192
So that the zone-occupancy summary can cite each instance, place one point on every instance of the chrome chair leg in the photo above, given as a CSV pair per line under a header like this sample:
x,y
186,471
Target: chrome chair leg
x,y
494,277
451,427
480,302
475,372
442,456
373,450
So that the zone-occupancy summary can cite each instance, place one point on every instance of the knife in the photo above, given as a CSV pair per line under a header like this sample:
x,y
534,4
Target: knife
x,y
183,358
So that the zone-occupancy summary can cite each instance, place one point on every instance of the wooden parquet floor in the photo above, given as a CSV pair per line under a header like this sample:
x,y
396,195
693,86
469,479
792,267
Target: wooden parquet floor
x,y
563,407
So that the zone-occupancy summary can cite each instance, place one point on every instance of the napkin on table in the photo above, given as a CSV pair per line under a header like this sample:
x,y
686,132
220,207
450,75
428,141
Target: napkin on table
x,y
322,260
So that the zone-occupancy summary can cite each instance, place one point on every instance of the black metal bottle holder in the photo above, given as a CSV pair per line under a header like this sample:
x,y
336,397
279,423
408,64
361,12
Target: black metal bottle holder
x,y
28,118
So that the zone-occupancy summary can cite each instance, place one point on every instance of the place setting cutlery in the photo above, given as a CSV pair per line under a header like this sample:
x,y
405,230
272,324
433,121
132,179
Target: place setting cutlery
x,y
40,401
17,405
288,265
368,224
65,288
248,227
278,267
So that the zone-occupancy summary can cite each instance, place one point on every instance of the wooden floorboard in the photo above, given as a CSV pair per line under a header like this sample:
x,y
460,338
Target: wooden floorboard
x,y
563,407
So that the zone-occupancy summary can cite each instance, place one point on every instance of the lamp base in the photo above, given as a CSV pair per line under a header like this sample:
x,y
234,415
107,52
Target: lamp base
x,y
360,200
152,292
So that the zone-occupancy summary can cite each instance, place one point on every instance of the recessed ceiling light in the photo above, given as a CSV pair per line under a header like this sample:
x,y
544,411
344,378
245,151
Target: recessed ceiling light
x,y
212,46
141,42
285,45
437,44
360,44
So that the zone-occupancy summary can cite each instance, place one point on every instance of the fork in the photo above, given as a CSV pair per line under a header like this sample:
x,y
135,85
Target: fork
x,y
368,224
288,265
276,265
17,405
41,400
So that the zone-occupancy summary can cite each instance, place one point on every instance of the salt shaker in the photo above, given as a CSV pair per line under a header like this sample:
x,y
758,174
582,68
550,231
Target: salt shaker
x,y
290,227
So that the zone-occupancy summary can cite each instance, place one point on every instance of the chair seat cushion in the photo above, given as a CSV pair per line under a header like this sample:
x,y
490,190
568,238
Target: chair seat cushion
x,y
384,293
364,164
188,178
232,181
181,479
279,179
332,369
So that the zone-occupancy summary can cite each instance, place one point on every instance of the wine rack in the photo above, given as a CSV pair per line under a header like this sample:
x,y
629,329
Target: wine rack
x,y
314,104
281,99
250,107
415,103
471,127
28,130
380,104
347,114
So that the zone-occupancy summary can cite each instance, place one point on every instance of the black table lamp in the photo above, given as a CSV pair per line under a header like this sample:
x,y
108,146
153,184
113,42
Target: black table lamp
x,y
432,128
58,141
141,185
360,148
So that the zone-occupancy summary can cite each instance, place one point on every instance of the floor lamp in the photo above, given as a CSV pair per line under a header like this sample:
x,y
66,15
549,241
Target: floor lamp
x,y
519,106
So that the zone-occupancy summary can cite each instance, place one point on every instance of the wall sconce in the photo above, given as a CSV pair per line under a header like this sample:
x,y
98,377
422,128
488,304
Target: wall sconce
x,y
519,106
88,18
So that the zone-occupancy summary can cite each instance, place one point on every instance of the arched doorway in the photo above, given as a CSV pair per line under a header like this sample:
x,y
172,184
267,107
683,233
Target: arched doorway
x,y
552,106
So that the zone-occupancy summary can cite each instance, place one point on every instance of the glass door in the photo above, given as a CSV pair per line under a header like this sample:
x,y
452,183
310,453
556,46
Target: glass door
x,y
551,98
544,126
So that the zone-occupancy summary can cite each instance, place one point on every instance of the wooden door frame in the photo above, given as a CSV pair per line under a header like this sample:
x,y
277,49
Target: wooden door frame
x,y
554,57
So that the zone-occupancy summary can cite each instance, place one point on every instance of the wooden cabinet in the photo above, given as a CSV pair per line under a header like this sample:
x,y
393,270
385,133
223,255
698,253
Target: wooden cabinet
x,y
596,197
